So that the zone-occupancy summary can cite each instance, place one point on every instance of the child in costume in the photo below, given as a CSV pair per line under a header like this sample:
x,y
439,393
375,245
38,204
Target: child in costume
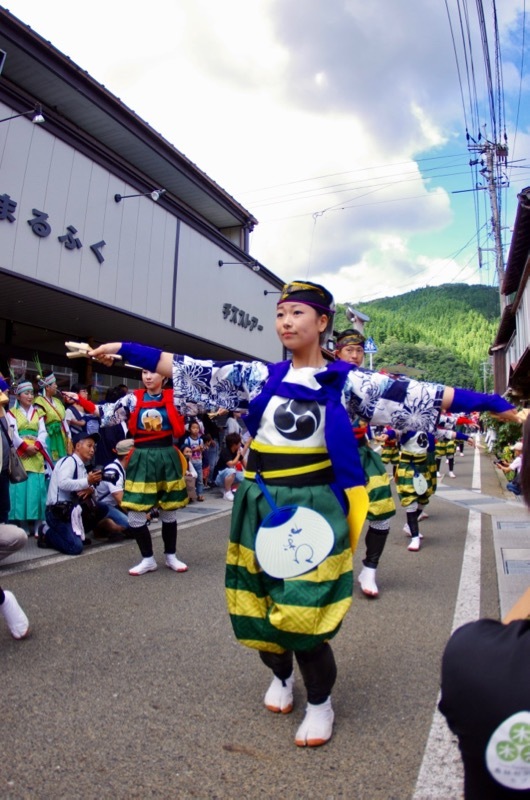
x,y
390,443
415,480
155,468
303,455
446,444
349,347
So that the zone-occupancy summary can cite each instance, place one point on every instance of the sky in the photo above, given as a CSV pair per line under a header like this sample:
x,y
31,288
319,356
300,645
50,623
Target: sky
x,y
339,124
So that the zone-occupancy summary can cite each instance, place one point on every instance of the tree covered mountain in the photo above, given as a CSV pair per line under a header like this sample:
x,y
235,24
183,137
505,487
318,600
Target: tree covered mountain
x,y
440,333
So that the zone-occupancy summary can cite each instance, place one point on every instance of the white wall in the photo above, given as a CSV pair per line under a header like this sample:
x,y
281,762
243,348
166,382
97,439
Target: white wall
x,y
203,289
39,171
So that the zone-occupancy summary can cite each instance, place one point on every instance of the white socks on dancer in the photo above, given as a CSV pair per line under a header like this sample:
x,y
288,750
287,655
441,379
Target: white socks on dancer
x,y
145,565
317,727
279,696
172,562
16,620
367,581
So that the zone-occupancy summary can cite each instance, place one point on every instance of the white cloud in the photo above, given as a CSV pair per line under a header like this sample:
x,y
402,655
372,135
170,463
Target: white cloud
x,y
311,114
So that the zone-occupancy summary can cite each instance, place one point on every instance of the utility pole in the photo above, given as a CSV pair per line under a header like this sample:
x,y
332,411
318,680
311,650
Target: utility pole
x,y
495,157
485,372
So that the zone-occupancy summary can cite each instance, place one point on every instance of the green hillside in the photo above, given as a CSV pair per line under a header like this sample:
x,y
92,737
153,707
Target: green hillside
x,y
439,334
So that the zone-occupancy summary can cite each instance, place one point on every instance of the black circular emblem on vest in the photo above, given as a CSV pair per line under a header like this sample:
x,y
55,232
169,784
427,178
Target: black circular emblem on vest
x,y
422,440
297,421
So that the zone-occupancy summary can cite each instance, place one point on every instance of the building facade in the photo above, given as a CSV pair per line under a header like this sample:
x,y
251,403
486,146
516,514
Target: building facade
x,y
511,348
107,231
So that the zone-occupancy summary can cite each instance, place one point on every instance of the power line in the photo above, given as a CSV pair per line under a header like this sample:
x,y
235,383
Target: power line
x,y
349,172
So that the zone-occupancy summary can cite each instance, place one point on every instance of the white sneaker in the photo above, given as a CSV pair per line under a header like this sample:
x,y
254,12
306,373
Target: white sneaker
x,y
17,622
228,496
173,563
438,474
279,695
460,453
414,545
452,475
423,515
407,531
367,581
145,565
317,725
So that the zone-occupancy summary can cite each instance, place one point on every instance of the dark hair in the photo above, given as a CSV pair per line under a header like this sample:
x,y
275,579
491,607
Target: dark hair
x,y
231,439
525,468
113,394
78,387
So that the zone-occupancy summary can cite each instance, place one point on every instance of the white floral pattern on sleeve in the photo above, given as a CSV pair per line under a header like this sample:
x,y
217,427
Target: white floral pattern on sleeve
x,y
110,412
383,400
207,384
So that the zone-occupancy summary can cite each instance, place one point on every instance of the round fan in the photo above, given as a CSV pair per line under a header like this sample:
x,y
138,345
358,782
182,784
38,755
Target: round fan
x,y
293,540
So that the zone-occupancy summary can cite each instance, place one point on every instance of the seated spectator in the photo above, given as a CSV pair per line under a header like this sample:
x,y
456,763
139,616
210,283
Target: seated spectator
x,y
71,507
190,476
110,492
525,466
230,465
210,457
514,467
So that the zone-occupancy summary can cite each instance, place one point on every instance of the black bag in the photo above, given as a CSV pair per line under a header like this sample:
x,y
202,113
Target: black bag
x,y
62,510
17,471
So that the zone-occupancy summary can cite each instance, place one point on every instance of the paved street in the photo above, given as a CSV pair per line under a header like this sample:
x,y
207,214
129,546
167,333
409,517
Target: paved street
x,y
135,687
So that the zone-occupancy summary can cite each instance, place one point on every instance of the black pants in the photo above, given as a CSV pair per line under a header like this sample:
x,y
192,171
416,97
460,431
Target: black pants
x,y
317,666
375,541
145,544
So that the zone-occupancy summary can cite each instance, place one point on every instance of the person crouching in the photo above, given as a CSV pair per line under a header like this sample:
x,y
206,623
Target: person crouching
x,y
71,507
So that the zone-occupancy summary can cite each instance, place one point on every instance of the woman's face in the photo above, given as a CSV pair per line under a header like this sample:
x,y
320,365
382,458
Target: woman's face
x,y
299,326
186,452
26,398
152,381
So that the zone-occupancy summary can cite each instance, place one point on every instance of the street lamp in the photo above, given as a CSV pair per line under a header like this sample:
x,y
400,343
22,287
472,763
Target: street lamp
x,y
37,117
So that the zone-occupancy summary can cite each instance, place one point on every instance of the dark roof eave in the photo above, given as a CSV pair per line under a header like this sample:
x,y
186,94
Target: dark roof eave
x,y
506,328
520,245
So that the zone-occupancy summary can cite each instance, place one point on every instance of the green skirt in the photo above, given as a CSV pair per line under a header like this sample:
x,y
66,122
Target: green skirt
x,y
390,454
450,448
56,443
381,503
407,468
28,499
299,613
154,478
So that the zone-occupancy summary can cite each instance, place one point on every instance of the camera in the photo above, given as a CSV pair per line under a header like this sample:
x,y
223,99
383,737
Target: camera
x,y
110,475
